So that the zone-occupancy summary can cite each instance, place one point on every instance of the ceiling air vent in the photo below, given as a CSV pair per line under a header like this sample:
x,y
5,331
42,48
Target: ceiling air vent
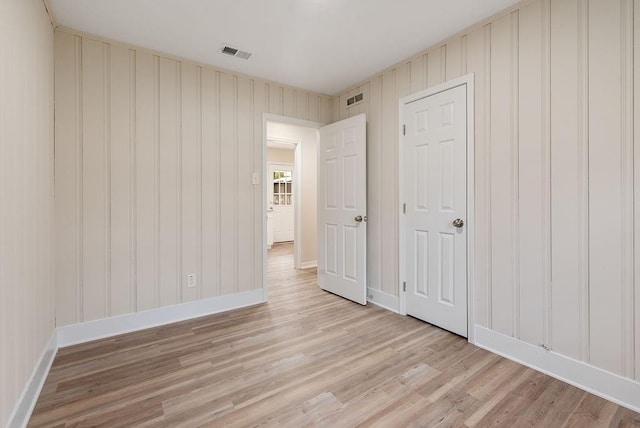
x,y
228,50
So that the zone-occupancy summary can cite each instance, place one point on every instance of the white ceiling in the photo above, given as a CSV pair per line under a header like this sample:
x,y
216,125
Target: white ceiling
x,y
320,45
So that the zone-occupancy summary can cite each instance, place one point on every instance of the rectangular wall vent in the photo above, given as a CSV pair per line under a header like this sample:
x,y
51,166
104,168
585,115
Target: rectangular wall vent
x,y
351,101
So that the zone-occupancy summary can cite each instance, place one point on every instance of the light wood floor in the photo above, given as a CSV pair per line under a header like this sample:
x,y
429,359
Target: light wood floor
x,y
305,358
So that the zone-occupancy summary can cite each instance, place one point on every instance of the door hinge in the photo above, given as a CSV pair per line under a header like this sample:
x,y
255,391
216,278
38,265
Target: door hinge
x,y
404,286
404,129
404,208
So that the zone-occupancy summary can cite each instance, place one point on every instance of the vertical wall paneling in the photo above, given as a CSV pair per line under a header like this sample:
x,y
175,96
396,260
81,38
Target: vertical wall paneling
x,y
453,59
68,171
133,292
418,74
388,187
94,208
546,316
326,109
464,42
434,67
531,179
146,179
289,102
189,188
583,176
606,252
374,183
245,212
120,189
276,105
476,64
79,152
335,109
302,105
313,109
636,153
210,280
28,231
515,169
228,174
259,106
627,223
169,129
106,111
199,165
487,169
364,106
155,158
425,68
443,63
343,105
501,177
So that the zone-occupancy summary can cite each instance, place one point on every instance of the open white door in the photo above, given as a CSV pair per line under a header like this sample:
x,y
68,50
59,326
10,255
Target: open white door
x,y
342,209
435,231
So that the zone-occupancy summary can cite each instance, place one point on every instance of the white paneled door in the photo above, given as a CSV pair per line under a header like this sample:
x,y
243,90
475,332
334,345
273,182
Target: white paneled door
x,y
342,209
280,201
434,184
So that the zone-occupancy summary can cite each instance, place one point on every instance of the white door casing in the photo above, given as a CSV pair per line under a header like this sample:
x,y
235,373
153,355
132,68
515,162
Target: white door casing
x,y
342,209
282,213
434,177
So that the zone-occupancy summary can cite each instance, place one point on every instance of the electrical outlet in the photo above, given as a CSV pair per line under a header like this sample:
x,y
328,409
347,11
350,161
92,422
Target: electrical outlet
x,y
191,280
255,178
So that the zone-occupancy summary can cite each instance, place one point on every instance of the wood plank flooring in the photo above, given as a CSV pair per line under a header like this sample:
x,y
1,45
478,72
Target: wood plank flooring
x,y
305,358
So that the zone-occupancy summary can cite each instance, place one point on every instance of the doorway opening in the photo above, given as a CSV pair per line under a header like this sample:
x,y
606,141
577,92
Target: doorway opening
x,y
290,195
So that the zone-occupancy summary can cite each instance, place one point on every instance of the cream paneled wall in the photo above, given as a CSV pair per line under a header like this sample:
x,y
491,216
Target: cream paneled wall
x,y
556,186
26,194
154,157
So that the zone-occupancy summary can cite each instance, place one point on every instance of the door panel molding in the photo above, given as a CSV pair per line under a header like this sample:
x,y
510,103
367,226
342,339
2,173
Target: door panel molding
x,y
468,82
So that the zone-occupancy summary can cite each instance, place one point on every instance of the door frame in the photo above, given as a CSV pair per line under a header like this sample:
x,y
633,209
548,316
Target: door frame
x,y
286,120
470,220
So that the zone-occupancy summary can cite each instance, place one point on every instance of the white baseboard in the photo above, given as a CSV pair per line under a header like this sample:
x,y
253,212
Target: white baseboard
x,y
384,300
27,402
309,265
106,327
612,387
